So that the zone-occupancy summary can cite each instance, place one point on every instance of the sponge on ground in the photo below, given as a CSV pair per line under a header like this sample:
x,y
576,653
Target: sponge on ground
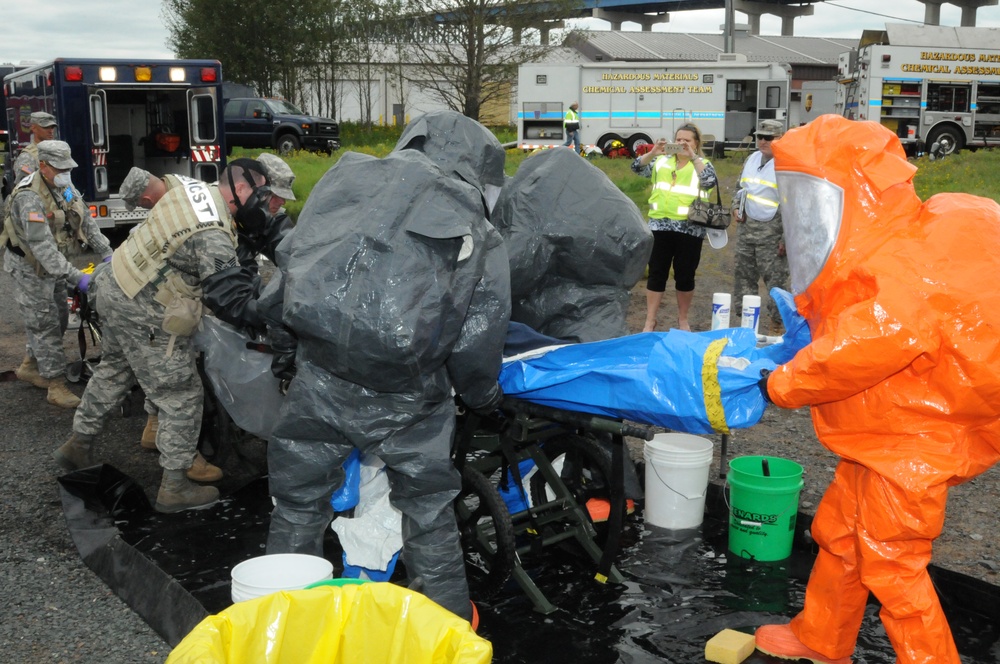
x,y
729,647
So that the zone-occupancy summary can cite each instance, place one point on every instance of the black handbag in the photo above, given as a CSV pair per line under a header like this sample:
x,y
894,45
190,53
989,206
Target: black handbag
x,y
710,215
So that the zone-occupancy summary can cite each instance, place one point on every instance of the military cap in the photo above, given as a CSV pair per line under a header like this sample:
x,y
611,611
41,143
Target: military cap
x,y
56,154
43,119
280,174
771,128
133,186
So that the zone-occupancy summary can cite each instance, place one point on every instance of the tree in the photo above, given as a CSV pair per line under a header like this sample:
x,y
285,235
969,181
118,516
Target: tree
x,y
471,48
259,43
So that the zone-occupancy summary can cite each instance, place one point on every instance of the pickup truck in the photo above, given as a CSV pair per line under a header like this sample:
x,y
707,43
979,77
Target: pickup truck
x,y
260,122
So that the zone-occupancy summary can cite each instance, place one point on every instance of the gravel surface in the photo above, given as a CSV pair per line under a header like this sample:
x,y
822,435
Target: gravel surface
x,y
54,609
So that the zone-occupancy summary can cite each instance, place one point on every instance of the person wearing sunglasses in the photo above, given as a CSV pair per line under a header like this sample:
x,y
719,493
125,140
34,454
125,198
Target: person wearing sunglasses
x,y
680,174
760,247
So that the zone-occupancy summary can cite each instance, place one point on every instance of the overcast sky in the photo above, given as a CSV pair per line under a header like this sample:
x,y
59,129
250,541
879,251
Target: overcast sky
x,y
135,29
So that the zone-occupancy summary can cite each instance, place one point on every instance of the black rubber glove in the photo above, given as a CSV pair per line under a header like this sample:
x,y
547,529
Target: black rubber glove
x,y
283,345
762,384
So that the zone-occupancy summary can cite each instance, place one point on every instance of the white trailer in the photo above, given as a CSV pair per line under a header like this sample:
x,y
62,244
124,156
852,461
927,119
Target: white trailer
x,y
638,102
927,95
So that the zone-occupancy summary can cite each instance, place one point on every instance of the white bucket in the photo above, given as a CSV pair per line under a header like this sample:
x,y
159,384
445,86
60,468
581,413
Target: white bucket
x,y
676,479
264,575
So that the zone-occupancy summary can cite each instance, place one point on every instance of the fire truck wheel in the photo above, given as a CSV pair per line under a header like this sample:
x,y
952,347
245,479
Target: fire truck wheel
x,y
948,138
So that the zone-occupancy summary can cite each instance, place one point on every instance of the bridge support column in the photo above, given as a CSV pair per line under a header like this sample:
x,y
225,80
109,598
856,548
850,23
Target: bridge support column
x,y
969,9
647,21
932,12
788,14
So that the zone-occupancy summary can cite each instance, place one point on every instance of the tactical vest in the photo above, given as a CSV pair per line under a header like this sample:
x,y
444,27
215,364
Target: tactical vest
x,y
64,219
183,211
761,187
673,189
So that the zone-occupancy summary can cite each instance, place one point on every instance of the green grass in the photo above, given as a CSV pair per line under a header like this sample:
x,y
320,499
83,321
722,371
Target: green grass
x,y
965,172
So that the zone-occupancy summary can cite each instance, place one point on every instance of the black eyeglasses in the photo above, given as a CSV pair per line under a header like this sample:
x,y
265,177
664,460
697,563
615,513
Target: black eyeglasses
x,y
765,138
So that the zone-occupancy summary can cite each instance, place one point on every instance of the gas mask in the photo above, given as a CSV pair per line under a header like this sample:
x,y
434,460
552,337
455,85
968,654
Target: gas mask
x,y
811,212
252,214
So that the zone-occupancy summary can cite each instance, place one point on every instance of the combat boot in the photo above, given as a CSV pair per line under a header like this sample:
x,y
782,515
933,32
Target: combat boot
x,y
75,453
202,471
59,394
178,493
148,440
28,372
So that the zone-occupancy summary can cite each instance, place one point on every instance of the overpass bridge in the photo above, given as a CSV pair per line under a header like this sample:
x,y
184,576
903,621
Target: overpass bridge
x,y
647,14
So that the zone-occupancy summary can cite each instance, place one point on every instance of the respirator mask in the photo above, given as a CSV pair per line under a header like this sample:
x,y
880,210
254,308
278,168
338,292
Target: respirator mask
x,y
252,214
62,180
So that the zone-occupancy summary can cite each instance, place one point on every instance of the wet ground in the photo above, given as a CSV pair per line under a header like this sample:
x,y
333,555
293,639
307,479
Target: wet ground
x,y
681,587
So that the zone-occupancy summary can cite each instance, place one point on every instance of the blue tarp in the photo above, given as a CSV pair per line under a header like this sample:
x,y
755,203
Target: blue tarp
x,y
655,378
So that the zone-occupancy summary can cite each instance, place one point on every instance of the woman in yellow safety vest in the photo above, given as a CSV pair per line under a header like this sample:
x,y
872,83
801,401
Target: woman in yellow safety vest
x,y
680,173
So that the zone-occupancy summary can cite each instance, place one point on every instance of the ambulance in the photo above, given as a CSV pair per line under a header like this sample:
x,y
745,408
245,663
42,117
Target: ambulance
x,y
632,103
160,115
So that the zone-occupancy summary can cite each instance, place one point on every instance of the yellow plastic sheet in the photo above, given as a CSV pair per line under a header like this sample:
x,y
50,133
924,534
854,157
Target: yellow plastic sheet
x,y
370,623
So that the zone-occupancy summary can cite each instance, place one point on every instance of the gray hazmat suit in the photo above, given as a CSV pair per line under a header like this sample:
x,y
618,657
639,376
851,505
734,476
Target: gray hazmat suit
x,y
577,246
398,290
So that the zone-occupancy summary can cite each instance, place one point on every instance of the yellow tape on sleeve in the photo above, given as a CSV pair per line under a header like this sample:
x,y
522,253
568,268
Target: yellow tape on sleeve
x,y
710,385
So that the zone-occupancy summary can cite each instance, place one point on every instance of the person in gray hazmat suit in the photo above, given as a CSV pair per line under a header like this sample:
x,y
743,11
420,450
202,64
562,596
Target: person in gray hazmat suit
x,y
398,291
151,297
577,246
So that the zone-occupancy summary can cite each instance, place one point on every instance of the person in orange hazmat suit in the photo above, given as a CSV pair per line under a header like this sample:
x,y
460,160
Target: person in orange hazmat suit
x,y
902,377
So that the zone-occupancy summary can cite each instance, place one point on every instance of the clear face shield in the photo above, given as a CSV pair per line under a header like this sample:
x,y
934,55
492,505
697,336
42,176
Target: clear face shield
x,y
811,212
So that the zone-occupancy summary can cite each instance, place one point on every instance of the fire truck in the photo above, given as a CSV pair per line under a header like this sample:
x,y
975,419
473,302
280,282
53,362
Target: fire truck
x,y
632,103
160,115
943,97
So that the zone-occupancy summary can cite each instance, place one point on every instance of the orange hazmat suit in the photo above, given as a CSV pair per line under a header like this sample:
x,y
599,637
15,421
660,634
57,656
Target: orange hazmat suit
x,y
902,375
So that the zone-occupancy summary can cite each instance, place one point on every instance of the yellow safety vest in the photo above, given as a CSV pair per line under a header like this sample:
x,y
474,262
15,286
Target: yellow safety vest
x,y
761,188
183,211
673,189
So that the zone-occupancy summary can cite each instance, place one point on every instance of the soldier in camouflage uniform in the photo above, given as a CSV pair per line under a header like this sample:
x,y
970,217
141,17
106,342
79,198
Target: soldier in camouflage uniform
x,y
266,240
142,189
151,297
760,249
45,224
43,128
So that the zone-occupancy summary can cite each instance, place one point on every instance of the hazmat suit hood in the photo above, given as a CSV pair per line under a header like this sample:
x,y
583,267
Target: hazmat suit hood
x,y
842,184
577,245
459,145
903,373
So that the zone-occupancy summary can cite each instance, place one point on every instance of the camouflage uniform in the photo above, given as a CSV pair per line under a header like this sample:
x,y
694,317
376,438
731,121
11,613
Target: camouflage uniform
x,y
135,346
48,231
757,246
26,162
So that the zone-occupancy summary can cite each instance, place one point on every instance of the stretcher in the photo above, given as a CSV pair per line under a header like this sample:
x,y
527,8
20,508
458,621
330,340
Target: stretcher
x,y
559,407
579,468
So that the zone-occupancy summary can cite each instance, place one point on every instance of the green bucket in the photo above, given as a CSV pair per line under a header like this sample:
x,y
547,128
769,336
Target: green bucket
x,y
763,504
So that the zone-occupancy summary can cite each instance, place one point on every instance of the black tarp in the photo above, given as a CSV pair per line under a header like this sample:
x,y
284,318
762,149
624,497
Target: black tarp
x,y
680,587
